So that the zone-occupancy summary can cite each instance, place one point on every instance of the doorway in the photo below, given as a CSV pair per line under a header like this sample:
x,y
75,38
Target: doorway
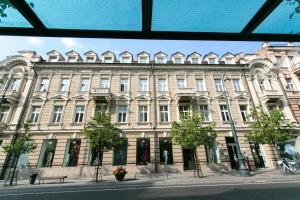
x,y
257,155
232,152
188,159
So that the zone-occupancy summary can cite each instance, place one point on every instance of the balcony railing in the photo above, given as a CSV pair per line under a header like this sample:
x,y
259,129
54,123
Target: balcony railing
x,y
185,91
12,96
101,94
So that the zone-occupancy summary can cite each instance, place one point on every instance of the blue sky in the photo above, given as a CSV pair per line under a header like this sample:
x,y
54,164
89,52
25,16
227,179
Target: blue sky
x,y
9,45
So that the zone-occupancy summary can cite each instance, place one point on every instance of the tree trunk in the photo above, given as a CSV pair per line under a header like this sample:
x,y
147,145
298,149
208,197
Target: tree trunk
x,y
14,171
100,155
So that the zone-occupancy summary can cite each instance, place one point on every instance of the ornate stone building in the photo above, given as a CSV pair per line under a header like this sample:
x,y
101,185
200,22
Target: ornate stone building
x,y
143,96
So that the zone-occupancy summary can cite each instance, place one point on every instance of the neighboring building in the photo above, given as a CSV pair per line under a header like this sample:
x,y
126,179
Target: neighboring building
x,y
143,97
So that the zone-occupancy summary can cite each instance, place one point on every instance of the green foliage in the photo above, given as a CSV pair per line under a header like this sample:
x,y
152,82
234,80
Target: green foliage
x,y
268,128
5,4
102,134
22,144
190,132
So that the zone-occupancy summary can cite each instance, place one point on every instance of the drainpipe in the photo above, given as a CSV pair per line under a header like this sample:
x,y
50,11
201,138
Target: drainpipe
x,y
155,134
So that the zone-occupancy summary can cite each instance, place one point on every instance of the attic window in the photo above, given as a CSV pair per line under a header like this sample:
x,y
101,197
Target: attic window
x,y
108,59
126,59
72,59
52,58
194,60
177,60
143,59
160,60
228,61
211,60
90,59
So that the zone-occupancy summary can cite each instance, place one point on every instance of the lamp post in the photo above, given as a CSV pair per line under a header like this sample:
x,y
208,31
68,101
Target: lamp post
x,y
241,160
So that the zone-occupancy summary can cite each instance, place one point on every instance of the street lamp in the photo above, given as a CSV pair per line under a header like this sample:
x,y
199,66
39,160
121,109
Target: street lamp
x,y
241,160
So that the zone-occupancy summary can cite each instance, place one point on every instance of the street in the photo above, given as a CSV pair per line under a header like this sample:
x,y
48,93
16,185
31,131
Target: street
x,y
227,191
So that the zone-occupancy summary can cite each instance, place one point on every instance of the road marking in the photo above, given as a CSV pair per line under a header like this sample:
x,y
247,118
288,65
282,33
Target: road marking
x,y
142,188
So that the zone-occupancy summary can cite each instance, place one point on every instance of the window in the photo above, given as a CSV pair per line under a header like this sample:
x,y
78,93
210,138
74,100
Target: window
x,y
84,86
271,84
90,59
236,85
124,85
200,85
142,151
126,59
164,113
194,60
219,85
183,111
177,60
279,60
143,114
93,157
143,60
289,83
244,113
79,114
108,60
261,84
122,113
120,153
72,152
52,58
104,83
35,114
291,60
23,159
181,83
143,85
4,114
160,60
57,113
101,108
211,61
204,112
44,85
162,85
228,61
165,150
47,153
72,59
224,113
64,85
15,84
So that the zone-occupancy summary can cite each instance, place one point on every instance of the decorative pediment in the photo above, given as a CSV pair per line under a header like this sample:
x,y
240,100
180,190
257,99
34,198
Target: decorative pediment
x,y
163,98
80,97
143,98
122,98
203,98
60,97
38,97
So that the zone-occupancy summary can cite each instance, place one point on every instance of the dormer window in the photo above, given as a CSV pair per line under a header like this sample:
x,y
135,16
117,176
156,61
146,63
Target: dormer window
x,y
108,60
228,61
143,60
72,59
194,60
52,58
177,60
211,60
160,60
126,59
90,59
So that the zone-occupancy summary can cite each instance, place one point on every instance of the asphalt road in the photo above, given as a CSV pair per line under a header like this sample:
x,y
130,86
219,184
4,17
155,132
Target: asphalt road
x,y
257,191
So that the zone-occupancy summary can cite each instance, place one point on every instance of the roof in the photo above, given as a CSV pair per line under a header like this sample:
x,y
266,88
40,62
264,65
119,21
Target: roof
x,y
248,20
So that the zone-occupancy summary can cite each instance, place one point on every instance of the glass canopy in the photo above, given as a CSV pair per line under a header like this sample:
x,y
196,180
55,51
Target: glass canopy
x,y
277,20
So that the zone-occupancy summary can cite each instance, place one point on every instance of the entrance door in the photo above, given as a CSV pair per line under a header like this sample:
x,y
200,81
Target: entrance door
x,y
232,152
257,155
188,159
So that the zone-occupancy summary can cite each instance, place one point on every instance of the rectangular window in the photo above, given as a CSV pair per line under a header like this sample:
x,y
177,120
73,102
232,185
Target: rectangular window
x,y
4,114
47,153
143,114
35,114
244,113
57,113
101,108
93,157
183,111
126,59
165,150
15,84
291,60
104,83
279,61
124,85
219,85
143,60
120,153
72,153
108,60
23,159
142,151
200,84
53,59
228,61
211,61
64,85
79,114
162,86
44,85
143,85
177,60
160,60
90,59
194,60
236,85
164,113
84,86
224,113
261,84
289,84
72,59
204,112
181,83
122,113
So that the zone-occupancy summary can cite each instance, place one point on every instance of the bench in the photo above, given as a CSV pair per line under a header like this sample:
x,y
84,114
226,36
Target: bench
x,y
60,178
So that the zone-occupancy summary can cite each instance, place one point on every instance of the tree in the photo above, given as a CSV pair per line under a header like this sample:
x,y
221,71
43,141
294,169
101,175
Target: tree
x,y
5,4
103,136
22,144
190,133
268,127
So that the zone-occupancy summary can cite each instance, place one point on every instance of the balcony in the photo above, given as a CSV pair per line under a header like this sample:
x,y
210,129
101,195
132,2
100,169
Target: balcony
x,y
101,94
271,94
11,96
296,68
185,93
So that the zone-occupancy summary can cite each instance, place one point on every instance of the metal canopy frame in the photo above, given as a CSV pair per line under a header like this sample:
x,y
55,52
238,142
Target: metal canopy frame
x,y
39,29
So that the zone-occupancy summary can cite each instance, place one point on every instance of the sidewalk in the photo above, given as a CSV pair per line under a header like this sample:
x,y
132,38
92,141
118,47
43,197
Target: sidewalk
x,y
186,178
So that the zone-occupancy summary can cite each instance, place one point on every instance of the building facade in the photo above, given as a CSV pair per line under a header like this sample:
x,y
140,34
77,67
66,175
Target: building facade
x,y
143,96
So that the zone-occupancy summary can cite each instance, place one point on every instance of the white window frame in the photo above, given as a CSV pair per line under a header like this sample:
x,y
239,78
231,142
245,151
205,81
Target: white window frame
x,y
124,83
123,113
162,85
79,114
224,113
181,83
126,59
55,114
44,86
193,61
200,84
72,59
90,59
228,61
108,59
177,60
104,83
64,87
184,111
143,114
35,114
289,84
164,113
15,84
212,61
84,87
291,60
204,112
143,85
219,85
160,60
143,59
4,114
244,113
237,85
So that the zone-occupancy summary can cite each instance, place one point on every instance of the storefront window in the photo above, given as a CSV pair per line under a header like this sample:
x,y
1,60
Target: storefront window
x,y
212,152
47,153
142,151
23,159
165,150
72,152
120,153
93,158
289,150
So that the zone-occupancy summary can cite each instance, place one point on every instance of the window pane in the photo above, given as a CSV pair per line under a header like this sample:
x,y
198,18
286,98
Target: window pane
x,y
72,152
165,150
120,153
47,153
142,151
